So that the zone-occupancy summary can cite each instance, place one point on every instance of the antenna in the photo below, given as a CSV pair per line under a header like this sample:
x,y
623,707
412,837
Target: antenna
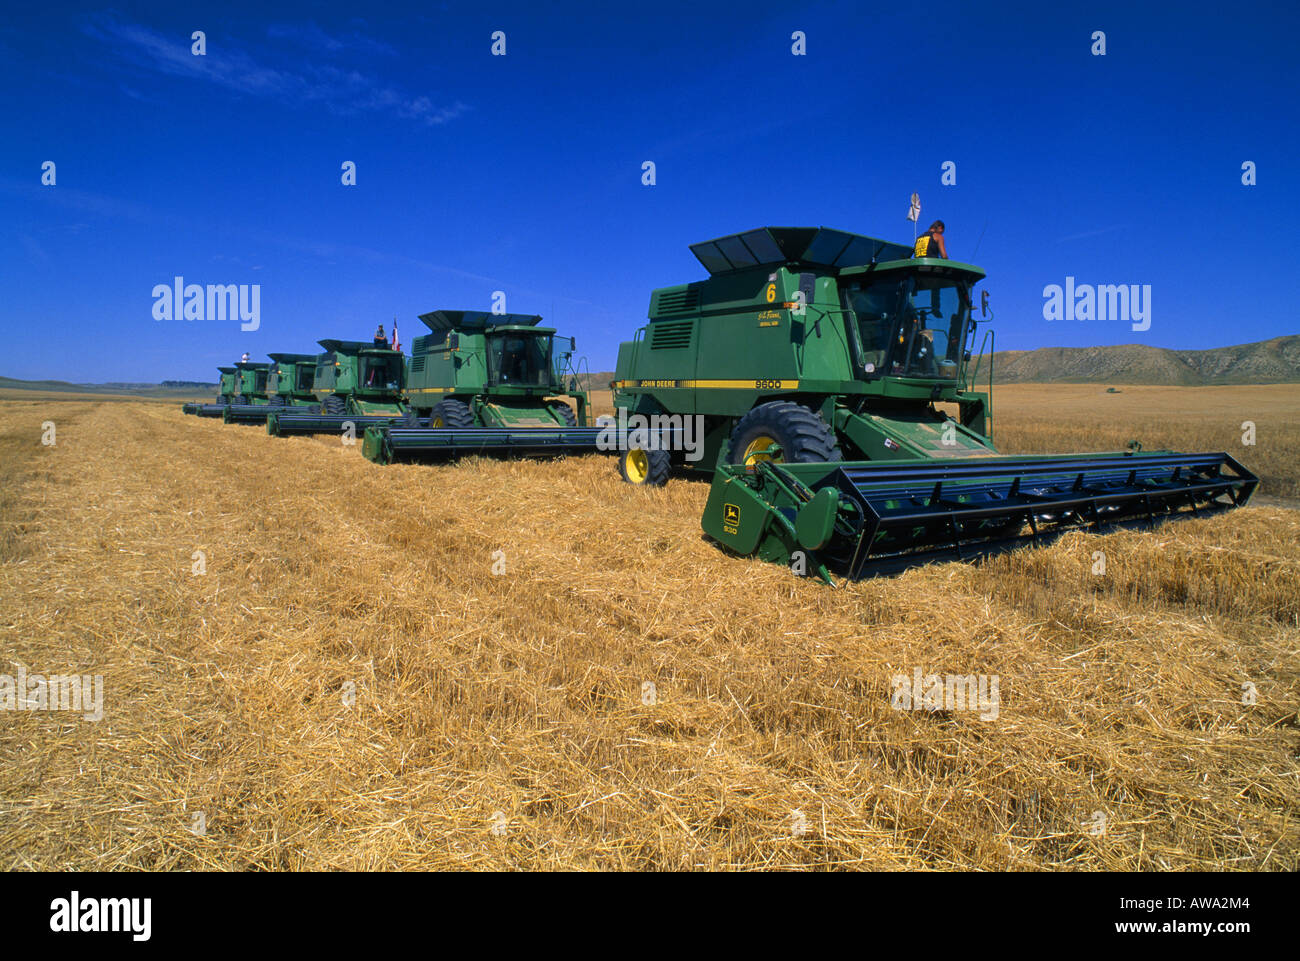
x,y
978,242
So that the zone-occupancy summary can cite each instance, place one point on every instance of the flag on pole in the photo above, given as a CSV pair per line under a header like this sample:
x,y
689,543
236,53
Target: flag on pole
x,y
397,344
914,212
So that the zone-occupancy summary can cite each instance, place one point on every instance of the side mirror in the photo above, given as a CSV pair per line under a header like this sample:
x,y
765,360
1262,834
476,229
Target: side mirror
x,y
984,302
453,341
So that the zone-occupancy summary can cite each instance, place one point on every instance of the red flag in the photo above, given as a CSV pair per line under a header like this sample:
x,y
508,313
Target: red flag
x,y
397,344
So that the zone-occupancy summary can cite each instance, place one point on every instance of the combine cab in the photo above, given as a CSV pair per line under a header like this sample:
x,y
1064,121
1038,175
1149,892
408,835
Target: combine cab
x,y
488,383
830,371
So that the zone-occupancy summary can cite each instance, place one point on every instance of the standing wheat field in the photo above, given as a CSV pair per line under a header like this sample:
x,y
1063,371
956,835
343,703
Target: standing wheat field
x,y
313,662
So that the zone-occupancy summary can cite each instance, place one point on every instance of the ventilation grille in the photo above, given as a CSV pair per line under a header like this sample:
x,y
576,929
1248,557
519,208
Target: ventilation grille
x,y
677,302
670,335
417,363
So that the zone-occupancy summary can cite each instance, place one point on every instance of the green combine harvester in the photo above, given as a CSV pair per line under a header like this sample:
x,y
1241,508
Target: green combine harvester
x,y
227,388
357,383
288,385
252,397
250,382
292,381
478,369
830,373
360,377
488,384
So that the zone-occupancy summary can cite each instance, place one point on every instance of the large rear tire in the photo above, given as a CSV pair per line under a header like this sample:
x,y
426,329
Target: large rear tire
x,y
451,413
801,434
334,405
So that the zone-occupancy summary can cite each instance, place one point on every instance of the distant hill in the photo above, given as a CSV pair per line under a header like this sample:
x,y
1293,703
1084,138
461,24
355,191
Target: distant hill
x,y
597,380
166,388
1275,361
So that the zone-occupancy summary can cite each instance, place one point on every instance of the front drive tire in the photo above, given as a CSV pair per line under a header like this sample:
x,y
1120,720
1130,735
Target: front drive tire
x,y
565,413
802,435
451,413
644,468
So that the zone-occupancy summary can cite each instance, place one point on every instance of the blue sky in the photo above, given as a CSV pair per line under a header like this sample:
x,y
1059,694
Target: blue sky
x,y
522,173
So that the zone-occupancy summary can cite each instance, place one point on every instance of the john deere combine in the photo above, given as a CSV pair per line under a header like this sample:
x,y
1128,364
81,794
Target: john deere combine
x,y
488,383
354,383
360,377
229,386
478,369
226,391
250,403
830,371
292,380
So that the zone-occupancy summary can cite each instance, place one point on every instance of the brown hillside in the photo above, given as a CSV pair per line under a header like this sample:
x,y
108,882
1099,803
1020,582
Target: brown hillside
x,y
1266,362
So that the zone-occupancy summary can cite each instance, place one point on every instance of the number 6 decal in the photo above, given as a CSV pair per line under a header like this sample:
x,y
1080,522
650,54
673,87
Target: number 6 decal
x,y
771,293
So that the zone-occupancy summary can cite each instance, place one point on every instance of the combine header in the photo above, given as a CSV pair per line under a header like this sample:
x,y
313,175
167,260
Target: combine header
x,y
831,372
488,384
291,423
865,517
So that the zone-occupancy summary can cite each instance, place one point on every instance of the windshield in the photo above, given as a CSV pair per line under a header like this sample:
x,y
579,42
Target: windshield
x,y
910,326
305,374
521,359
259,381
381,373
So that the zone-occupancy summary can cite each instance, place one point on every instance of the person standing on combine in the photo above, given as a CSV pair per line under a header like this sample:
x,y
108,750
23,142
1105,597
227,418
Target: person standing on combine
x,y
930,243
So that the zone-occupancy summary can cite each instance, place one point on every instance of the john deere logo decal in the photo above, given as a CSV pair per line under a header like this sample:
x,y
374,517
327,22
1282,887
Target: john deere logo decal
x,y
730,517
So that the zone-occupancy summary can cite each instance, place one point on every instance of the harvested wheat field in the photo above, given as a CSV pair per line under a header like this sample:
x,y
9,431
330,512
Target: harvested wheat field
x,y
349,685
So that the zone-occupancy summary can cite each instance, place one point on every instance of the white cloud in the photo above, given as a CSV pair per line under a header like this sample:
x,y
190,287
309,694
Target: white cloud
x,y
343,91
